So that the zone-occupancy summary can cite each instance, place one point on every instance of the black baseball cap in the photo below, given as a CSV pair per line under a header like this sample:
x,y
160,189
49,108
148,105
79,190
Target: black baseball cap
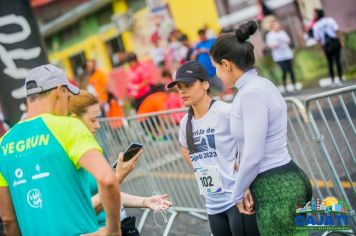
x,y
189,72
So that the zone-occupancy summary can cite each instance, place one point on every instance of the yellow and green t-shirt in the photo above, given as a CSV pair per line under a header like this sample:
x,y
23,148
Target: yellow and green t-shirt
x,y
39,164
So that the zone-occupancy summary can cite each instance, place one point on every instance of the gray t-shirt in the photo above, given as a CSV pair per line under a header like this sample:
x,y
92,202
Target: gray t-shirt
x,y
214,146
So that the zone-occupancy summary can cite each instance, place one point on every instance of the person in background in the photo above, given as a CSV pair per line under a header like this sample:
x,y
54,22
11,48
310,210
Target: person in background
x,y
209,32
162,99
279,41
176,50
121,57
85,107
157,52
188,50
309,27
98,79
138,80
153,103
112,107
201,54
326,32
174,101
83,78
3,126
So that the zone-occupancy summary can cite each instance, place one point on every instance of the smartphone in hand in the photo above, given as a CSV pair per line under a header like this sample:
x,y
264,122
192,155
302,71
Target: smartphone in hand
x,y
130,152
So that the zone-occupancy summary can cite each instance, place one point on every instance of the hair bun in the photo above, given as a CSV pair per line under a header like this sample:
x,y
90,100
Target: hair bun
x,y
245,31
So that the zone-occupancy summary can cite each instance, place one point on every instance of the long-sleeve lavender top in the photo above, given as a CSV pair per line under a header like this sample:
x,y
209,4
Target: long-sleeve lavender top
x,y
258,122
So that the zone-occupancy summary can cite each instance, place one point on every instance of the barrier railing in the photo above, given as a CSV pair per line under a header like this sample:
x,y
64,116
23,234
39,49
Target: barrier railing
x,y
304,149
321,140
161,169
332,118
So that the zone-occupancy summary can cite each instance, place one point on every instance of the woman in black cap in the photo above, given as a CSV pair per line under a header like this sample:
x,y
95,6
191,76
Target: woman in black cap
x,y
258,122
208,146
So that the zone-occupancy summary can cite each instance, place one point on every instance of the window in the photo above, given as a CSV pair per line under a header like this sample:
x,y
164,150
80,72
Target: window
x,y
115,46
77,62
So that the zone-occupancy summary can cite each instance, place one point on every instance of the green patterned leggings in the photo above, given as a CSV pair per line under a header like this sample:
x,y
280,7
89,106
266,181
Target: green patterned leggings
x,y
277,194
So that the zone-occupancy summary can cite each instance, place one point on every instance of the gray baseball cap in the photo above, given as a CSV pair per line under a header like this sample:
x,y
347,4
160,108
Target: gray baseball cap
x,y
47,77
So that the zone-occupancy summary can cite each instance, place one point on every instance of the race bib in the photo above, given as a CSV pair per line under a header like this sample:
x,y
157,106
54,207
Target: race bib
x,y
209,180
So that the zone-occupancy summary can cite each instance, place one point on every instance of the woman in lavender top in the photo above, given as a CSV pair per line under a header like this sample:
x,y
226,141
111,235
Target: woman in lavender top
x,y
258,122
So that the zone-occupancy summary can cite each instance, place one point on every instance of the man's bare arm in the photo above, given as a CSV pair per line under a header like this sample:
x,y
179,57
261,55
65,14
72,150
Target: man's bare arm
x,y
108,186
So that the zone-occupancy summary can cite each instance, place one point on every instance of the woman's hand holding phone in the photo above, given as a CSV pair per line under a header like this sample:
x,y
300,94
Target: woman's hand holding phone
x,y
123,168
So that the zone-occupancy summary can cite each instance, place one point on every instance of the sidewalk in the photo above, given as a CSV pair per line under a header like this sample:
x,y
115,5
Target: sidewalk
x,y
324,85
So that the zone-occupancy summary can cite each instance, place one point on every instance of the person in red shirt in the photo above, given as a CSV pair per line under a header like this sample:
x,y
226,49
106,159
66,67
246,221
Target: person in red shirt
x,y
138,80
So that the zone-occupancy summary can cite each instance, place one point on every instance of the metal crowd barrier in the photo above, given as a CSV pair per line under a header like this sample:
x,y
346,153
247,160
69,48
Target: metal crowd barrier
x,y
161,169
333,119
321,140
307,148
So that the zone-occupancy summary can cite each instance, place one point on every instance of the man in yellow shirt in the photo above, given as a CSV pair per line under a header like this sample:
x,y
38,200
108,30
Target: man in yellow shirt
x,y
42,166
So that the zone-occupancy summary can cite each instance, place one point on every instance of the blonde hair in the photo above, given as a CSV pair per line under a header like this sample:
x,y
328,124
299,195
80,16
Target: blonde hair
x,y
78,104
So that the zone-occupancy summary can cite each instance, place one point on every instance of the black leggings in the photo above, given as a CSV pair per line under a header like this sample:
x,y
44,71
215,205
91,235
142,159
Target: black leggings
x,y
287,67
334,56
232,223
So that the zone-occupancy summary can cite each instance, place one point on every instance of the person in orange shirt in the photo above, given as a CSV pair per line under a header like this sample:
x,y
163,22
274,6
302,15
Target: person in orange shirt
x,y
113,109
162,100
153,103
156,102
99,80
